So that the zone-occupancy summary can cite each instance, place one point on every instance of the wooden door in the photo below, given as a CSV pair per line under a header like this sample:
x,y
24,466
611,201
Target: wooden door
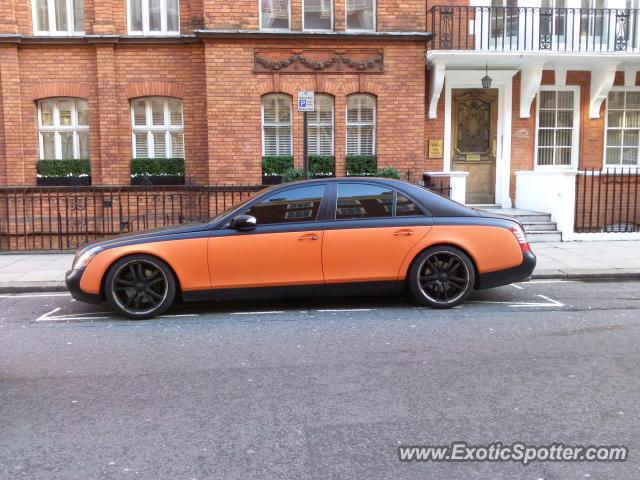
x,y
475,113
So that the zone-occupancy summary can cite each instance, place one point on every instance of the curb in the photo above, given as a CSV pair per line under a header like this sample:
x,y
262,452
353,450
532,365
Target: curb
x,y
39,287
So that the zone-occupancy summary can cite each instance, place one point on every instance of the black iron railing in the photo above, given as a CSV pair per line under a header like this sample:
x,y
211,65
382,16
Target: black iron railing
x,y
535,29
608,201
65,218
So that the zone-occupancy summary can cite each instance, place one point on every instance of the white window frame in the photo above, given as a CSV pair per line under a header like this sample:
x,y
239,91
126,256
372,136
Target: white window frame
x,y
149,128
58,129
361,124
51,20
331,26
145,20
346,19
320,124
274,29
277,123
575,135
606,128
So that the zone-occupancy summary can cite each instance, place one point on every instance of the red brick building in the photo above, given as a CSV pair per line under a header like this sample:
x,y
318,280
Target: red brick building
x,y
198,79
397,83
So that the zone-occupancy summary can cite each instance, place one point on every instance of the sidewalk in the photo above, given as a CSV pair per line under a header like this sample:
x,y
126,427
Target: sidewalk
x,y
575,260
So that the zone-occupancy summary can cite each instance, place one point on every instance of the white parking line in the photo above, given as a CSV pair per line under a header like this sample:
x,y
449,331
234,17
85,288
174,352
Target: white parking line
x,y
50,317
550,303
339,310
257,313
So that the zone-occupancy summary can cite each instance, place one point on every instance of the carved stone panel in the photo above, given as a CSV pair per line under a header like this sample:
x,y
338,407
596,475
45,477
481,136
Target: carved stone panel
x,y
318,61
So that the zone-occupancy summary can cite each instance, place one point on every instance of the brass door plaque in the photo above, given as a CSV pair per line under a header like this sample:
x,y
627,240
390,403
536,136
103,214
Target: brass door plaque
x,y
435,148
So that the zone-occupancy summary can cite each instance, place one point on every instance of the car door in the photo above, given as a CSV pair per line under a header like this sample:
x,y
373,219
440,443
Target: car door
x,y
285,248
373,229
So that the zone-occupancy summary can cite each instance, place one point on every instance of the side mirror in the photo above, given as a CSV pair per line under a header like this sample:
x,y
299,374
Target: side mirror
x,y
243,222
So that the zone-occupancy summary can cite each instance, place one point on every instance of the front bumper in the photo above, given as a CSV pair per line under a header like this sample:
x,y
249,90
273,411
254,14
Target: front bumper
x,y
72,280
510,275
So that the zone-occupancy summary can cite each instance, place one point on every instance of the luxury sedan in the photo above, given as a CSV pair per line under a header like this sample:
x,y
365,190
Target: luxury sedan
x,y
319,237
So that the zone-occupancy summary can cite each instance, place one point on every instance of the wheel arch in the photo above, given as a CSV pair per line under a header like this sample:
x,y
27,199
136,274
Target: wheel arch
x,y
131,254
424,248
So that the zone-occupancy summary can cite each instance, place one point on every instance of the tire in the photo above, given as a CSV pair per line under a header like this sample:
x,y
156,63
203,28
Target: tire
x,y
140,286
442,277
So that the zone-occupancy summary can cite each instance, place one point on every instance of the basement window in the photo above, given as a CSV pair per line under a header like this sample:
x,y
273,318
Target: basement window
x,y
58,17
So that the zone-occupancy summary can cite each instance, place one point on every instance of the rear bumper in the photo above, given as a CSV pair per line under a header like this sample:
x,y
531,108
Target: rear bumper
x,y
72,280
510,275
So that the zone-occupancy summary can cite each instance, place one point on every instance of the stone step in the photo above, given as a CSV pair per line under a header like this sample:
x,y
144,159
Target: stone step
x,y
544,236
533,217
539,226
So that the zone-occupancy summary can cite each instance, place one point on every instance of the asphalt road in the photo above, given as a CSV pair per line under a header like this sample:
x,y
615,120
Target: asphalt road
x,y
322,389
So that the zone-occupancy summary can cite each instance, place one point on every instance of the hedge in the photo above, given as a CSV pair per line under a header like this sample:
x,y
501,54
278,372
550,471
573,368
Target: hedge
x,y
322,165
150,167
276,165
293,175
63,168
389,172
361,165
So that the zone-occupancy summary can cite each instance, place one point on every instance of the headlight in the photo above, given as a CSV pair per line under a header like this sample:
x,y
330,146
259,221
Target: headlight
x,y
84,257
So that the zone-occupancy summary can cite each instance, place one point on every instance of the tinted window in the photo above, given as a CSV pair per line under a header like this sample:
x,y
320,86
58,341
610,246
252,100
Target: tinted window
x,y
295,205
406,207
357,200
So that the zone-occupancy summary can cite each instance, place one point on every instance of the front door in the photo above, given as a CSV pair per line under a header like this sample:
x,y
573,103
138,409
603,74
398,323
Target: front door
x,y
475,113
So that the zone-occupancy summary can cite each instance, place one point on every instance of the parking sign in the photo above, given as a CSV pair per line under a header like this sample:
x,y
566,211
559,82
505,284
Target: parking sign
x,y
306,101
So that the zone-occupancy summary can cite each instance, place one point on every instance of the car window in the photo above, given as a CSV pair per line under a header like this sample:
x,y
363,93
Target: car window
x,y
406,207
295,205
357,200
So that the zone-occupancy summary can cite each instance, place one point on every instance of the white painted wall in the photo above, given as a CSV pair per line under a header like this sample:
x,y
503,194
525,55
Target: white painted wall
x,y
551,192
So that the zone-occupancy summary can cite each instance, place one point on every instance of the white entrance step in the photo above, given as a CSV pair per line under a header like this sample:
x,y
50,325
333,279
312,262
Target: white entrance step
x,y
537,225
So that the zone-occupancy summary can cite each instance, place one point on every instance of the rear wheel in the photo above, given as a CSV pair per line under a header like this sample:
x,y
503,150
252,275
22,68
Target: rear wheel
x,y
140,286
442,277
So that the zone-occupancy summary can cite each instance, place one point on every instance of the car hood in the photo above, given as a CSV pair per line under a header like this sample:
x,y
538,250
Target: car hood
x,y
140,237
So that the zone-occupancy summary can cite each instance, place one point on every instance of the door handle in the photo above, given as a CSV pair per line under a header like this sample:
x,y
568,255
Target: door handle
x,y
404,232
309,236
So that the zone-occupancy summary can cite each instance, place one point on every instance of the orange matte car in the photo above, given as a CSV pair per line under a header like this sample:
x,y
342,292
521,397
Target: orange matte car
x,y
318,237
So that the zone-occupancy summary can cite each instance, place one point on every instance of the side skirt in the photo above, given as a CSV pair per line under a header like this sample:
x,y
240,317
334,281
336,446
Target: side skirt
x,y
296,291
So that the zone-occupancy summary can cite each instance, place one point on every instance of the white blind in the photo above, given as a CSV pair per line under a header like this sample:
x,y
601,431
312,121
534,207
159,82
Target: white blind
x,y
361,120
158,130
320,127
276,125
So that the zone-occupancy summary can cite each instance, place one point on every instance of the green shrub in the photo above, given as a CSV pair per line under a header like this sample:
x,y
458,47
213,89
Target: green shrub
x,y
156,167
293,175
361,165
322,165
63,168
389,172
276,165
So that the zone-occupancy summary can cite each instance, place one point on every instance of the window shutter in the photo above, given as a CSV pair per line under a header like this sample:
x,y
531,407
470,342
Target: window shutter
x,y
361,125
157,112
139,113
276,122
159,145
177,145
142,151
175,109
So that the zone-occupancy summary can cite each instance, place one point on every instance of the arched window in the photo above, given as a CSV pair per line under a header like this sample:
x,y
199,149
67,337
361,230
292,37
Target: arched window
x,y
361,125
158,129
320,127
64,128
276,125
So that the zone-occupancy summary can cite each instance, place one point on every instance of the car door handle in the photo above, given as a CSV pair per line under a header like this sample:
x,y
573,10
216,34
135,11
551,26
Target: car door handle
x,y
309,236
404,232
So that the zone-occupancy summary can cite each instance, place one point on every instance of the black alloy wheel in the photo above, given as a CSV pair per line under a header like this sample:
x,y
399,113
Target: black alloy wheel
x,y
442,277
140,286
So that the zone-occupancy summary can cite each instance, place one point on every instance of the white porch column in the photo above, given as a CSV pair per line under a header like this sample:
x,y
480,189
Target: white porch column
x,y
549,192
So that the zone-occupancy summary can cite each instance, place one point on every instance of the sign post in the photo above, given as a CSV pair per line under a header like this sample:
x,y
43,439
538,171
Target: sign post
x,y
306,103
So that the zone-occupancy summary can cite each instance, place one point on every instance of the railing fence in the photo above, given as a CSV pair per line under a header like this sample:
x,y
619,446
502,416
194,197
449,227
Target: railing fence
x,y
607,201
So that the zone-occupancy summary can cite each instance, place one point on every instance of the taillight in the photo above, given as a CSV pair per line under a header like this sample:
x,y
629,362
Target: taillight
x,y
521,237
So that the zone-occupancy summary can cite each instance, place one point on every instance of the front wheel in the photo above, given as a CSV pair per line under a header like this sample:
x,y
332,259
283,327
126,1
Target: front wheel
x,y
442,277
140,286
